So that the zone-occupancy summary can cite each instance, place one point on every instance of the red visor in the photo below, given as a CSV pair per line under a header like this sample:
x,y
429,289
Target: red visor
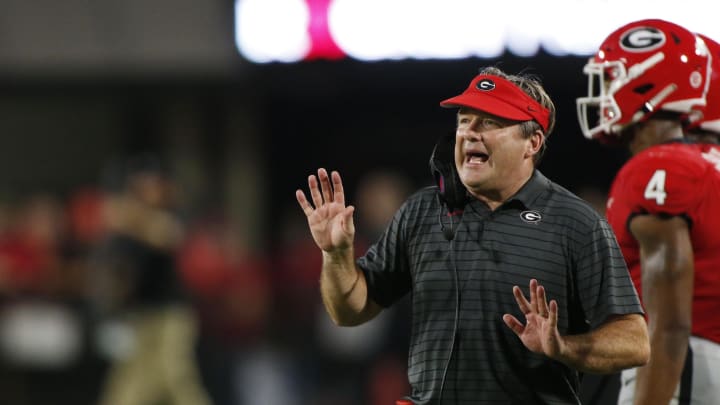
x,y
500,97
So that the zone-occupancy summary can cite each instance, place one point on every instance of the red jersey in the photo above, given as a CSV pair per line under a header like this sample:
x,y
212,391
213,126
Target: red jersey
x,y
677,179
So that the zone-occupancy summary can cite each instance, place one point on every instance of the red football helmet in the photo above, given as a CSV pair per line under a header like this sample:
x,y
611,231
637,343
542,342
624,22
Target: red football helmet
x,y
640,68
709,121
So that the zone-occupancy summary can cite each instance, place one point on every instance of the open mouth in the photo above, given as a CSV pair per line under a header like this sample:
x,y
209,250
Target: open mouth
x,y
476,157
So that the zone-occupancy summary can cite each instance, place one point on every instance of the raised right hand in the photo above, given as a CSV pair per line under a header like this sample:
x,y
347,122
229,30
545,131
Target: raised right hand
x,y
331,222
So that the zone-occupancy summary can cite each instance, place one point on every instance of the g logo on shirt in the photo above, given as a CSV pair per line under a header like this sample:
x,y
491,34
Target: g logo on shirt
x,y
531,217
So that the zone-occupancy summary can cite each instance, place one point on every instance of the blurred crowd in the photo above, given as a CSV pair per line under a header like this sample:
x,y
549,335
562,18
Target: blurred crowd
x,y
114,294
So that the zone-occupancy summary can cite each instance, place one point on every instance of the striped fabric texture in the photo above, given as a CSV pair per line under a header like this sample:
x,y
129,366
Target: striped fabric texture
x,y
543,232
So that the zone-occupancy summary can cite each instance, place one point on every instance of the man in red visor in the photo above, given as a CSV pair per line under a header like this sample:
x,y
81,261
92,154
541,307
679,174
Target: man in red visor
x,y
518,286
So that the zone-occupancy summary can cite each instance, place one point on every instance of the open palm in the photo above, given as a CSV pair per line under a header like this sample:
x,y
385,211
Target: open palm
x,y
330,221
539,333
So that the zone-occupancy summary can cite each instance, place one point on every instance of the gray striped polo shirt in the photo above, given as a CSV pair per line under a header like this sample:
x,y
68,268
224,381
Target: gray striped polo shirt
x,y
543,232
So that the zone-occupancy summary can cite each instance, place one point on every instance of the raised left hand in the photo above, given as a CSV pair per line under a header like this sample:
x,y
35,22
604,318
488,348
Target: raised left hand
x,y
539,333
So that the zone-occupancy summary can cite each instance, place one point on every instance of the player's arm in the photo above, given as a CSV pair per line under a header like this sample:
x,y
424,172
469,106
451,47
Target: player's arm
x,y
344,290
667,289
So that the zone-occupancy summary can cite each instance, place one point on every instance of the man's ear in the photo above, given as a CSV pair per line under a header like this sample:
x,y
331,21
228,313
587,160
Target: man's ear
x,y
537,139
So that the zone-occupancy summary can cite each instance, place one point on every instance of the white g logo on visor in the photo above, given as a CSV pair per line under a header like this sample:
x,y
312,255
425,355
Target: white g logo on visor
x,y
485,85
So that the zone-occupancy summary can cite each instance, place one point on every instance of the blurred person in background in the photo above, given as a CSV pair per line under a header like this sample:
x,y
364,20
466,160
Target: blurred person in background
x,y
230,285
463,247
293,335
380,193
645,80
44,327
32,245
147,326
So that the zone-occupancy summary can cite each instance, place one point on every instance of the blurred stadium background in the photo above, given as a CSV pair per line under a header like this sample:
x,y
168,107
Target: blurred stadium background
x,y
237,102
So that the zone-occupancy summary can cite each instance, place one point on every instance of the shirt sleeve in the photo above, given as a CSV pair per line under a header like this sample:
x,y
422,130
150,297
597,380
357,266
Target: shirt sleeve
x,y
603,281
385,264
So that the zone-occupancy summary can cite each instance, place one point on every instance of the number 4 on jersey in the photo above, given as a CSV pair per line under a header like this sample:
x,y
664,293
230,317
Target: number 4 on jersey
x,y
655,189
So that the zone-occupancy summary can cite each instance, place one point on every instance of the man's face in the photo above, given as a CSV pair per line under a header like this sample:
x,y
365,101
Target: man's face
x,y
489,151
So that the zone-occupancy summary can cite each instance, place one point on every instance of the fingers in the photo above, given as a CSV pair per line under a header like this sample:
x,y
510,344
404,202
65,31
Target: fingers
x,y
538,299
347,222
304,204
315,191
542,302
514,324
553,315
534,295
339,195
325,185
521,300
322,191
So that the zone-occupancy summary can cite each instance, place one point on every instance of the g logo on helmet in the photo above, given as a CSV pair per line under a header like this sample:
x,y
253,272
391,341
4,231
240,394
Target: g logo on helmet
x,y
485,85
642,39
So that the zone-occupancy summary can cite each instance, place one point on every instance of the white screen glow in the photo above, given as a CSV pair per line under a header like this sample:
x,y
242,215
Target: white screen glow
x,y
374,30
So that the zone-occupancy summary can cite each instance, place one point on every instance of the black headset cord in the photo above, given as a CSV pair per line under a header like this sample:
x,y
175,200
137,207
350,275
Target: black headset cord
x,y
450,236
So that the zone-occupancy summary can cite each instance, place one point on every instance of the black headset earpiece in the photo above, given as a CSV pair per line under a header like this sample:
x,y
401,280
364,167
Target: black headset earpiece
x,y
442,166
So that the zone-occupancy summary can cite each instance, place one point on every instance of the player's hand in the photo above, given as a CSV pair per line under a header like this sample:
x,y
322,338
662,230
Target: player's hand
x,y
539,333
331,222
